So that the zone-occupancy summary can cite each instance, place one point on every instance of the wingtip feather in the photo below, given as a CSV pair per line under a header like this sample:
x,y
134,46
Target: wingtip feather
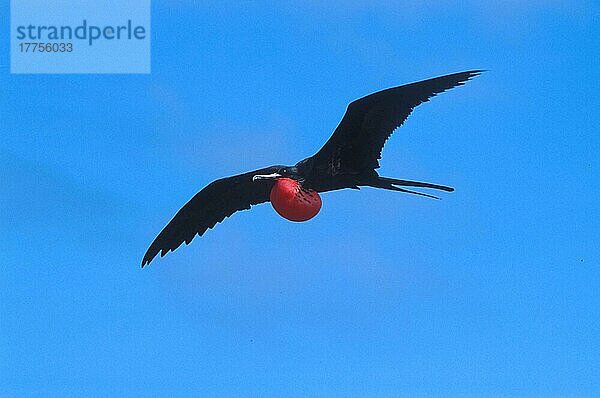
x,y
475,72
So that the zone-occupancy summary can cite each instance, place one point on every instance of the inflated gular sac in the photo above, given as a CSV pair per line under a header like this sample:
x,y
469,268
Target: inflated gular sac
x,y
293,202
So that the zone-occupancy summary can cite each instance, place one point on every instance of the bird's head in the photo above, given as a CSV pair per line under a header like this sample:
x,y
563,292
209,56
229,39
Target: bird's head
x,y
279,172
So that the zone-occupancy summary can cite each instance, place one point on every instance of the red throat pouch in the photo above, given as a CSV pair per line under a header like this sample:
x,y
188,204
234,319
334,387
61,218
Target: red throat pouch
x,y
293,202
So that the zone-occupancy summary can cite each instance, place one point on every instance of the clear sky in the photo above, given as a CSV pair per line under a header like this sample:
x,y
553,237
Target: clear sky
x,y
491,292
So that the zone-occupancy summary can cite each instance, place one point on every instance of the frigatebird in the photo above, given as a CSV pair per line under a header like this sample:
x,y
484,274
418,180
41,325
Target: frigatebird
x,y
349,159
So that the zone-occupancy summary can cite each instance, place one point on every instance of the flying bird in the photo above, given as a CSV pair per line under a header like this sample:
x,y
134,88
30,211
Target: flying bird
x,y
349,159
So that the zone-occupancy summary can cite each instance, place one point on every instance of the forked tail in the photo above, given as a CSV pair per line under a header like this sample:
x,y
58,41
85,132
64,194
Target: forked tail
x,y
392,184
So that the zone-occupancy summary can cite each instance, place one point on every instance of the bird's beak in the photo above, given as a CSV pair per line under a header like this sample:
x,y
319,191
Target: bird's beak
x,y
266,176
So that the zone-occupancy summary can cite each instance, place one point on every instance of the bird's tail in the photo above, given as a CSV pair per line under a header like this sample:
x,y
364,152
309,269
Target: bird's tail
x,y
392,184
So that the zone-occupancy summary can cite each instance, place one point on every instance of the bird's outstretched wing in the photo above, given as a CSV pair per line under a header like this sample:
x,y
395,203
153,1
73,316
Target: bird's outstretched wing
x,y
356,143
218,200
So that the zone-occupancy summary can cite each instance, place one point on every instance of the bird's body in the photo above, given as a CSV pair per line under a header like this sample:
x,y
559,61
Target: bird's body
x,y
349,159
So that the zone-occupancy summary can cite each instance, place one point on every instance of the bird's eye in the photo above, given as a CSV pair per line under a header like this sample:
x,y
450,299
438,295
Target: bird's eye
x,y
284,171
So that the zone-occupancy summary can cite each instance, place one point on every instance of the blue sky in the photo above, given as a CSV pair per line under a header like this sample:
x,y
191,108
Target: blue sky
x,y
492,291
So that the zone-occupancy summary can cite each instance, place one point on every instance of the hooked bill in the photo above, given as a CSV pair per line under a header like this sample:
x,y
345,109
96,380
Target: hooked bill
x,y
293,202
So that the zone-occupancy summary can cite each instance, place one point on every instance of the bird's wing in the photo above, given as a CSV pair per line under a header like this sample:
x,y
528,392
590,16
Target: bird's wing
x,y
218,200
357,142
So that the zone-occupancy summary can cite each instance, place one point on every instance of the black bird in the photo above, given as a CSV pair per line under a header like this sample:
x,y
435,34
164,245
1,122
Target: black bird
x,y
347,160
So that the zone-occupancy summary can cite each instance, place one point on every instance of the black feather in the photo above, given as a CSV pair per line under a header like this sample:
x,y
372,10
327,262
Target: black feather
x,y
213,204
